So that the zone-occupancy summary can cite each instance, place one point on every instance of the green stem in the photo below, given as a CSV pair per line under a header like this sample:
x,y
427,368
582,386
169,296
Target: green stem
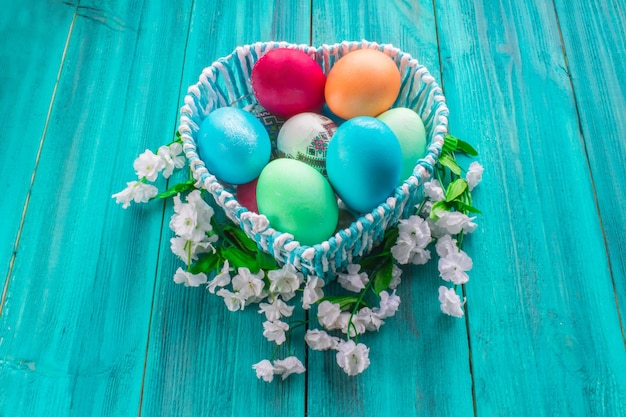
x,y
356,307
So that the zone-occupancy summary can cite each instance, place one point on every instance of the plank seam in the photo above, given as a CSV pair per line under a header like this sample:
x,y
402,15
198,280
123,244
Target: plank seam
x,y
156,274
467,325
18,236
591,173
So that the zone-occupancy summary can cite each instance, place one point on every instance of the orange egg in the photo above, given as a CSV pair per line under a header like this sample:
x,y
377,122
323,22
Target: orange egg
x,y
364,82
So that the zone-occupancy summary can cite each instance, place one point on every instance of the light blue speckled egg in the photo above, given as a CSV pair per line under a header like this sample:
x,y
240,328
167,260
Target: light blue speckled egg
x,y
234,145
364,162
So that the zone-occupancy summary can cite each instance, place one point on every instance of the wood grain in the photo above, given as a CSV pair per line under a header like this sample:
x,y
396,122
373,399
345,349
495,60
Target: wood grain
x,y
543,324
32,55
75,324
200,355
594,37
418,353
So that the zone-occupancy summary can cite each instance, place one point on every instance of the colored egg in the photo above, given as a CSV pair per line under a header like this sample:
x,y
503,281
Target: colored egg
x,y
234,145
365,82
409,129
332,116
287,82
297,199
246,195
305,137
364,162
271,122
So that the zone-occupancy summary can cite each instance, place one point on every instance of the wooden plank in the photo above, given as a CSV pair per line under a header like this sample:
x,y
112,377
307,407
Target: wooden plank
x,y
543,324
419,352
74,327
32,55
200,355
594,37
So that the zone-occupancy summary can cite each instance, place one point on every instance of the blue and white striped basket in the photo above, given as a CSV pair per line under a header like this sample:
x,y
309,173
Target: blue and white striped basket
x,y
227,83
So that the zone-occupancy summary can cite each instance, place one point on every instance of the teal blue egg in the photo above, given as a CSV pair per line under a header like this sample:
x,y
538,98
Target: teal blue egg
x,y
409,130
364,163
234,145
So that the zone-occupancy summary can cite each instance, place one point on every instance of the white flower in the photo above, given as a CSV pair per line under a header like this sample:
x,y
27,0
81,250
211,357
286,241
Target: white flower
x,y
136,191
450,302
328,314
249,285
171,157
274,331
203,209
371,320
285,281
417,228
188,250
420,256
265,370
192,220
446,245
312,291
352,327
454,221
288,366
233,300
433,190
276,310
148,165
396,277
408,249
453,267
353,280
474,175
221,280
190,280
403,249
352,358
426,208
320,340
389,304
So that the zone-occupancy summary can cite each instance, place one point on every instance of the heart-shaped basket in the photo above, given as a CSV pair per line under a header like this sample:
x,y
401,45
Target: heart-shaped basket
x,y
227,83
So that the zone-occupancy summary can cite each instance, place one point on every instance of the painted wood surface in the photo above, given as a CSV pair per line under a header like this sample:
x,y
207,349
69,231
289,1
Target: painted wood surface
x,y
196,364
415,354
92,324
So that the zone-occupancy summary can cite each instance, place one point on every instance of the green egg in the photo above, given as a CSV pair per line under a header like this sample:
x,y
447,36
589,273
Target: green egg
x,y
297,199
409,130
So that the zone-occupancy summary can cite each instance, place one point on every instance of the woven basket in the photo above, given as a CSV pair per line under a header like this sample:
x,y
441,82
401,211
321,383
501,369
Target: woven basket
x,y
227,83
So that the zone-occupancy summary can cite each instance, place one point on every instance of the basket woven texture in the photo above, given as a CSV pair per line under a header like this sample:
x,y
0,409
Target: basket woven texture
x,y
226,82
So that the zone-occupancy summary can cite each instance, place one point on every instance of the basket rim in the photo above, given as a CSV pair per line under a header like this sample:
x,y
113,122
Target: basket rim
x,y
257,224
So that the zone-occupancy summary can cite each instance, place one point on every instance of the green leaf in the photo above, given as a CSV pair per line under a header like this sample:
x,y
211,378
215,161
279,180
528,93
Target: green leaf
x,y
178,188
455,189
391,236
383,277
346,302
240,259
450,143
466,148
439,206
465,208
207,263
266,261
238,237
449,162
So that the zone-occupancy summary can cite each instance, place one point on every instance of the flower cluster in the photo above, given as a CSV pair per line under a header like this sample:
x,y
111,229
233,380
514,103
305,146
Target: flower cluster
x,y
243,276
147,167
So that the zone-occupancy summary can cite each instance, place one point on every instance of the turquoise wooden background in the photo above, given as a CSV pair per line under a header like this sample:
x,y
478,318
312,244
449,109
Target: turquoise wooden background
x,y
91,323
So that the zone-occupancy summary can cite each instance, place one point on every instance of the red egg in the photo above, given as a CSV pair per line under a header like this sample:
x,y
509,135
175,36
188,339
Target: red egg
x,y
288,82
246,195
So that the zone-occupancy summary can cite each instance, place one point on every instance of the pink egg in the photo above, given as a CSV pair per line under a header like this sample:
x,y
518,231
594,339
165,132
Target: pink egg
x,y
246,195
287,82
